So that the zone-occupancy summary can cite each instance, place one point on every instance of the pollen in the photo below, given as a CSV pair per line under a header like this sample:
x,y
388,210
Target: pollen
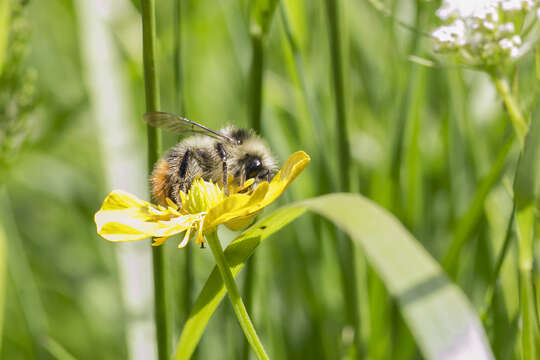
x,y
202,196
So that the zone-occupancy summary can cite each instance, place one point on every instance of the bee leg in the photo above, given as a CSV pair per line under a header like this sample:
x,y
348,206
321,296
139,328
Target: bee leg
x,y
223,156
174,194
182,184
242,179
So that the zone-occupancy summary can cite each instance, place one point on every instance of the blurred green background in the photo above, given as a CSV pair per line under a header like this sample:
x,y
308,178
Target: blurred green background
x,y
71,101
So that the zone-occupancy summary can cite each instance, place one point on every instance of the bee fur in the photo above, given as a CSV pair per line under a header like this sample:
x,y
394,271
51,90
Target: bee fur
x,y
212,160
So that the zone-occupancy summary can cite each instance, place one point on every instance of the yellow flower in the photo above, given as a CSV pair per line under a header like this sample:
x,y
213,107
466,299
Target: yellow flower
x,y
124,217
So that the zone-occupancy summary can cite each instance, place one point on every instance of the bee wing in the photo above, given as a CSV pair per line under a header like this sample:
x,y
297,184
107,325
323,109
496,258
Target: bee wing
x,y
180,125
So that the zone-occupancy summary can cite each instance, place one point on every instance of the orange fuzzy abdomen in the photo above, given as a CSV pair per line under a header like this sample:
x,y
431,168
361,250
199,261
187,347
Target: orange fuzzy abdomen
x,y
160,182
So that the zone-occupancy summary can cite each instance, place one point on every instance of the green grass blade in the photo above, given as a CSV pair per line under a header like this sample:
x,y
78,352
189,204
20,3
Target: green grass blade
x,y
262,12
4,30
214,290
345,246
3,268
527,182
261,18
468,222
490,292
56,350
526,191
148,10
438,314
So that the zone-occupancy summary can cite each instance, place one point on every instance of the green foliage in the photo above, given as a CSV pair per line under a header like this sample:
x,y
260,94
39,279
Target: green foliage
x,y
17,89
436,311
434,146
527,181
3,269
262,12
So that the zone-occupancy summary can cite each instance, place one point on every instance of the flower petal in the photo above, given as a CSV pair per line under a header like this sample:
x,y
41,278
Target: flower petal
x,y
124,217
240,223
243,205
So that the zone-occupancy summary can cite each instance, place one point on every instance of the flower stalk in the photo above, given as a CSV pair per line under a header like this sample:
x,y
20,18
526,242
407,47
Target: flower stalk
x,y
511,104
234,295
154,147
525,225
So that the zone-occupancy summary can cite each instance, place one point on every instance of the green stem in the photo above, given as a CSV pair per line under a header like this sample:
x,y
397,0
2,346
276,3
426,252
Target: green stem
x,y
525,197
332,12
187,288
346,248
234,296
470,219
256,72
3,268
249,294
4,30
256,82
488,301
177,60
154,148
525,226
511,104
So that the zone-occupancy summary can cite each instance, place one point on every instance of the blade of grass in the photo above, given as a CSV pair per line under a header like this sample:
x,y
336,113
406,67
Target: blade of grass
x,y
261,17
314,126
214,290
529,331
234,295
332,13
498,265
5,17
325,183
526,194
177,58
345,247
468,222
3,268
413,162
22,277
381,8
154,148
462,143
188,270
438,314
56,350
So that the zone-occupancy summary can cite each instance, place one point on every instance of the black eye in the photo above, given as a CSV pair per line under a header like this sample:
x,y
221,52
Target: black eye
x,y
253,166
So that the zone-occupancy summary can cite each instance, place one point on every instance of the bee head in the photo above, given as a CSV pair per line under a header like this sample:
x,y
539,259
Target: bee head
x,y
250,158
255,167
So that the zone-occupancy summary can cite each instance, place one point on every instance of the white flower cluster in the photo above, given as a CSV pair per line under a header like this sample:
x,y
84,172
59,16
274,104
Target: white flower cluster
x,y
483,31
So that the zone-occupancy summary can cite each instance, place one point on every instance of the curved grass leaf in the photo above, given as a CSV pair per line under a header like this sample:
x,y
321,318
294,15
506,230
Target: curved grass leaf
x,y
214,290
526,193
5,13
3,269
471,218
436,311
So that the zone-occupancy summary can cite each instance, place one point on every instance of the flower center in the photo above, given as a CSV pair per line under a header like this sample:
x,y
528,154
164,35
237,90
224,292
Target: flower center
x,y
201,197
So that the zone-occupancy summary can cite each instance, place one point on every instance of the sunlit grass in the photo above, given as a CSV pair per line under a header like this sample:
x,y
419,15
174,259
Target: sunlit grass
x,y
441,147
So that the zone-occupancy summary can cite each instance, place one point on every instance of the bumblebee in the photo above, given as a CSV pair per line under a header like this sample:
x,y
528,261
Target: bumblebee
x,y
211,155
